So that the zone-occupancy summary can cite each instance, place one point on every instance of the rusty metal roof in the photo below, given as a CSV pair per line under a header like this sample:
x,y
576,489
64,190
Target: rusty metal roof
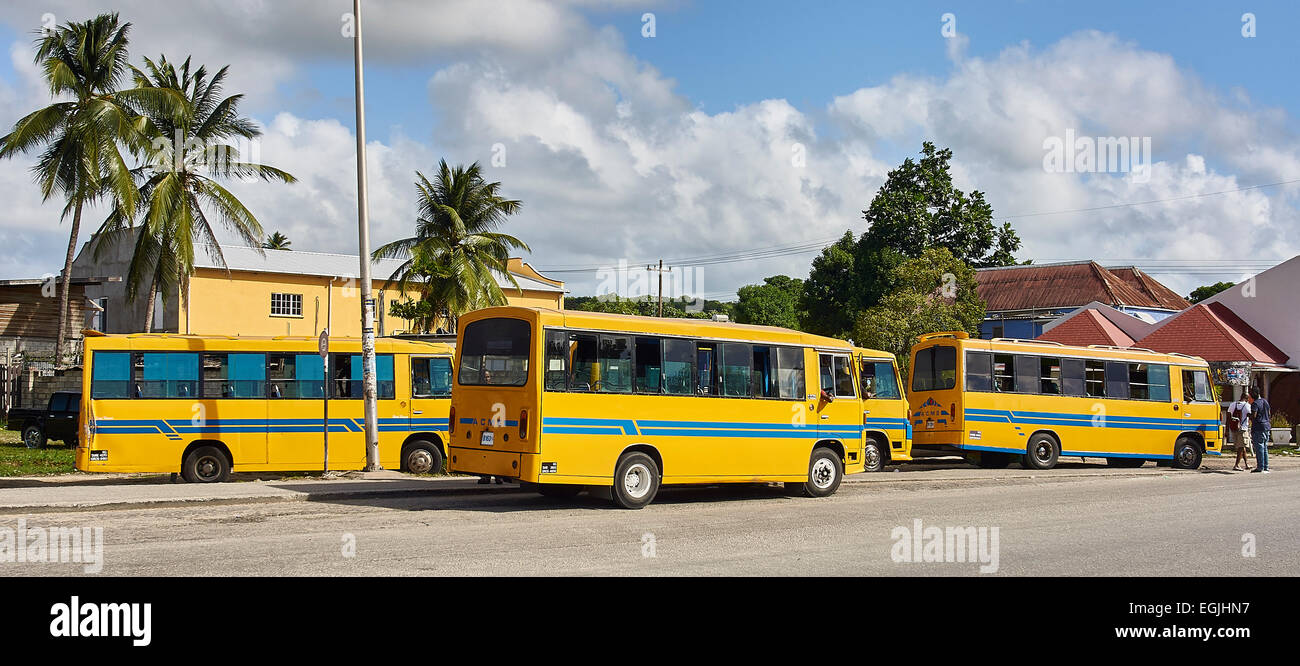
x,y
1063,285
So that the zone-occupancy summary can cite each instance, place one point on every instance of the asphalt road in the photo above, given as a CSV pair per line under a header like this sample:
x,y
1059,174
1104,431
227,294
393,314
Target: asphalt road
x,y
1174,523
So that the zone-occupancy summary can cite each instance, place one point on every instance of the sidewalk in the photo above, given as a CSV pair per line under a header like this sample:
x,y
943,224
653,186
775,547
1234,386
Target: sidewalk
x,y
74,492
97,492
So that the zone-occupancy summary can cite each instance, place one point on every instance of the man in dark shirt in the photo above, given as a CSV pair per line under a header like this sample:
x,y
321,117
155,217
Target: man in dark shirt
x,y
1261,424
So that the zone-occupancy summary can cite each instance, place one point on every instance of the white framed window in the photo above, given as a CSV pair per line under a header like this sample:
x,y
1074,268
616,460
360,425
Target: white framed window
x,y
286,305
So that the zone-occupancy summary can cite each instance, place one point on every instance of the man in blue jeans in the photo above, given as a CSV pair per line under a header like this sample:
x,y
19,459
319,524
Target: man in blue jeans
x,y
1261,423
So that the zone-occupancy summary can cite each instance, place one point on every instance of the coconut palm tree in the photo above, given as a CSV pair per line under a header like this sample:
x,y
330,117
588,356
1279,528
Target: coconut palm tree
x,y
455,254
186,148
277,241
82,132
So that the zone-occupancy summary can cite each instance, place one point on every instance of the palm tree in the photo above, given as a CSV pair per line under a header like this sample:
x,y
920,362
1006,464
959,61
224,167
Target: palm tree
x,y
277,241
184,145
83,64
455,254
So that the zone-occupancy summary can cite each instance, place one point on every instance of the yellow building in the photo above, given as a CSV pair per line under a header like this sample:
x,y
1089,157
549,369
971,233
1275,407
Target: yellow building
x,y
275,292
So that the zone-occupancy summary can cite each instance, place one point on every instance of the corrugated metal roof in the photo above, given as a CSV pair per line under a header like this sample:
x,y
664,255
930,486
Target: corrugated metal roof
x,y
1054,286
1148,285
297,262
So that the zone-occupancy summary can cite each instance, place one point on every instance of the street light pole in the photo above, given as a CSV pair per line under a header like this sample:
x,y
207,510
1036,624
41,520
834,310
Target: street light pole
x,y
369,387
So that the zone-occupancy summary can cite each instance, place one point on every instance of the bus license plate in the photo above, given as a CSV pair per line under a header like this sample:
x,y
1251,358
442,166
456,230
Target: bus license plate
x,y
929,424
487,439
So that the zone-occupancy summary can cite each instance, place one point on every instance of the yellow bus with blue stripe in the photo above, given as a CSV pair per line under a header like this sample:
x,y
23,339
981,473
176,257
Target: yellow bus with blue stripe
x,y
1037,401
206,406
565,400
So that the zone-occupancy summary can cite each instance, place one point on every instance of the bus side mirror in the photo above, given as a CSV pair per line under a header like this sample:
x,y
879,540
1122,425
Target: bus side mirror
x,y
827,396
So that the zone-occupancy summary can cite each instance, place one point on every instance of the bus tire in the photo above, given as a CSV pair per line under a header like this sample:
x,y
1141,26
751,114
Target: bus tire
x,y
34,437
1125,463
874,456
825,471
421,457
1042,452
1187,454
206,464
559,490
636,480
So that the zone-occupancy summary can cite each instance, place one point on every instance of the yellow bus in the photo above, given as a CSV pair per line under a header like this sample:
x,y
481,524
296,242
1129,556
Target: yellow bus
x,y
564,400
1001,399
206,406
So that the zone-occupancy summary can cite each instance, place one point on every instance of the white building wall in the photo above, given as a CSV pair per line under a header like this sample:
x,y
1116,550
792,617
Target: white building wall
x,y
1270,303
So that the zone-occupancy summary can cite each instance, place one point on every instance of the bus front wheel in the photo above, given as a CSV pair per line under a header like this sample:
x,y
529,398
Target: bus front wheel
x,y
206,464
1042,452
825,471
1187,455
636,480
874,456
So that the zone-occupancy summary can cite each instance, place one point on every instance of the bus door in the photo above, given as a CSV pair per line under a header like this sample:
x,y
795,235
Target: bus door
x,y
882,406
430,393
839,412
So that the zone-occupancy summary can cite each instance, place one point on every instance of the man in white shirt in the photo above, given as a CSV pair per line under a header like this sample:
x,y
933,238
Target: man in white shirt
x,y
1238,419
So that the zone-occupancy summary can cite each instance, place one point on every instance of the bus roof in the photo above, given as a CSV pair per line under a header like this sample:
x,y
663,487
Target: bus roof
x,y
183,342
1050,348
671,326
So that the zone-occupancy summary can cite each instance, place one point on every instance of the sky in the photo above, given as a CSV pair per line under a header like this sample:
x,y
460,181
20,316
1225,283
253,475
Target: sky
x,y
732,139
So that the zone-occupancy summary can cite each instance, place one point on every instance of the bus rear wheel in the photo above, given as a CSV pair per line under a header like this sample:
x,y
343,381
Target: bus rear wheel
x,y
1125,463
825,471
1187,455
636,480
421,457
206,464
1042,452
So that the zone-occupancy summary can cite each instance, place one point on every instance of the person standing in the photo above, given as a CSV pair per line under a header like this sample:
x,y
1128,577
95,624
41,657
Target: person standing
x,y
1239,427
1261,427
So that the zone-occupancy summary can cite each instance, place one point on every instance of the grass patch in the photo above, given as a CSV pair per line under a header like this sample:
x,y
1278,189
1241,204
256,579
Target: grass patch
x,y
18,460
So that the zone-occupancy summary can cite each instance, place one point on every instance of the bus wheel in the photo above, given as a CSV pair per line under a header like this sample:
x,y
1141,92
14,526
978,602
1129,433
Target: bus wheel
x,y
1187,455
559,490
206,464
1125,463
421,457
824,474
1042,452
874,456
33,437
636,480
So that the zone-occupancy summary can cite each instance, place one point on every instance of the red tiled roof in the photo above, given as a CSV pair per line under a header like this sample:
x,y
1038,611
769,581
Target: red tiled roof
x,y
1088,327
1146,284
1057,286
1215,333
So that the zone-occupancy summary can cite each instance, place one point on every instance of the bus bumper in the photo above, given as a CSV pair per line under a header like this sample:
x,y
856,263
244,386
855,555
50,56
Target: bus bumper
x,y
492,463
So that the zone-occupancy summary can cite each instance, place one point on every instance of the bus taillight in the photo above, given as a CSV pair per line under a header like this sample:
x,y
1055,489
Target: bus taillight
x,y
523,424
451,421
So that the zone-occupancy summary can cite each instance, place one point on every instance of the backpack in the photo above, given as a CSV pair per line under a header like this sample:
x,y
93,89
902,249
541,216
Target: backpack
x,y
1234,417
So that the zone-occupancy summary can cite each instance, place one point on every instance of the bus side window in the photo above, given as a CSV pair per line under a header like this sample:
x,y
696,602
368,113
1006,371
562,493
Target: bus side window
x,y
979,371
649,366
1117,380
1004,373
679,367
827,373
706,374
1027,377
556,360
1072,376
844,378
584,368
790,373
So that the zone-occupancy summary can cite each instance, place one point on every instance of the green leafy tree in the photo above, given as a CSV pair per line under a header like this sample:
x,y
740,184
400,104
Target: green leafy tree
x,y
180,196
277,241
456,254
82,134
915,210
933,292
773,303
1203,292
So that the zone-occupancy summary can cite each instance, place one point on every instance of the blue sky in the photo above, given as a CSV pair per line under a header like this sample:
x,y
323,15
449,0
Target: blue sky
x,y
854,80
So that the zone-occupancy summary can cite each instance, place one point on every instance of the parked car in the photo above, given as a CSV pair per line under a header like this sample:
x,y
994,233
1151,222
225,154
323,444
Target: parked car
x,y
57,421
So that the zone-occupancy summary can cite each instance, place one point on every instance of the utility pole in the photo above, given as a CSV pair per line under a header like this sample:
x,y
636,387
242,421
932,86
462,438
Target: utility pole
x,y
660,271
369,387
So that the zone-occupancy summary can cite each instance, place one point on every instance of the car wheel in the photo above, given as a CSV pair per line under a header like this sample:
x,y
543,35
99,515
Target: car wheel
x,y
33,437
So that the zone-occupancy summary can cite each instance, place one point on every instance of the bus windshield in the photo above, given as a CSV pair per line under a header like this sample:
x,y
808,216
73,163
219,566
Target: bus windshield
x,y
494,352
935,369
